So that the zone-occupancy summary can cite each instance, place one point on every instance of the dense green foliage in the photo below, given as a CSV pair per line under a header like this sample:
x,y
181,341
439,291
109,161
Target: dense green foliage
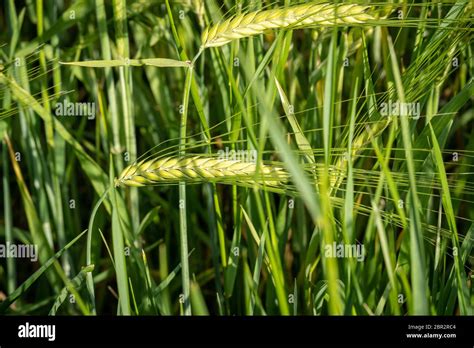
x,y
371,120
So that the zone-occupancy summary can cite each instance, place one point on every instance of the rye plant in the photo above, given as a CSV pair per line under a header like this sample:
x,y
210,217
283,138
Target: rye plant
x,y
359,200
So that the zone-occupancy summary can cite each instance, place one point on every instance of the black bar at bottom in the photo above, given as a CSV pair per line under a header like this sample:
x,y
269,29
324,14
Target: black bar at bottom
x,y
289,331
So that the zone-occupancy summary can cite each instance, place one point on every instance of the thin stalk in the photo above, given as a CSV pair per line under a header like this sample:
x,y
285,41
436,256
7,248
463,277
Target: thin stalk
x,y
7,210
183,228
109,82
89,277
120,19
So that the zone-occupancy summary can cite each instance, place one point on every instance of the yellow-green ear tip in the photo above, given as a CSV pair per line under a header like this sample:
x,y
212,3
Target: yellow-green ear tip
x,y
117,182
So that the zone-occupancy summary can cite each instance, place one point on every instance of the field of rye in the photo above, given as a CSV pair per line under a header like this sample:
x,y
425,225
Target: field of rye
x,y
259,157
